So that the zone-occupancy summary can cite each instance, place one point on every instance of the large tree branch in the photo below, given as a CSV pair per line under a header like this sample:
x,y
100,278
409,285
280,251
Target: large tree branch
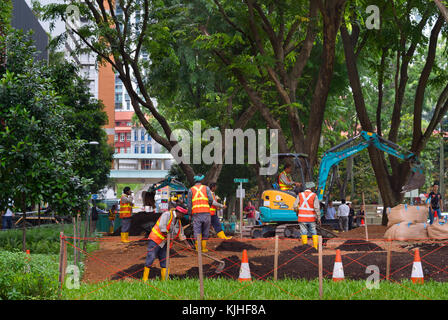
x,y
442,9
422,83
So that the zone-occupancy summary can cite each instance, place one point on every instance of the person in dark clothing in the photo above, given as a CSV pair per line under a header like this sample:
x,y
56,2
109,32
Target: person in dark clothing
x,y
435,203
361,216
351,216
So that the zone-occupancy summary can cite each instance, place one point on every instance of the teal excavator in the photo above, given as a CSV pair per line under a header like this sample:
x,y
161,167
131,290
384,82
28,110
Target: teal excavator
x,y
276,212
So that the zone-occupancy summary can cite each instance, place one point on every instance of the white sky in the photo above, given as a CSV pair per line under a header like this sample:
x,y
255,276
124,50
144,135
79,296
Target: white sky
x,y
59,26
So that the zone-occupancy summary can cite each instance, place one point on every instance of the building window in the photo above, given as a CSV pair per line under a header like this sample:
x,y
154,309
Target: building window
x,y
135,135
122,137
136,148
128,136
116,137
128,104
146,164
149,137
122,150
117,124
128,150
142,148
143,134
117,150
149,148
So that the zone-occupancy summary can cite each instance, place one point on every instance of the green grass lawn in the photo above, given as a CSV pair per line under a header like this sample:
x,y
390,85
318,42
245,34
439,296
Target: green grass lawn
x,y
286,289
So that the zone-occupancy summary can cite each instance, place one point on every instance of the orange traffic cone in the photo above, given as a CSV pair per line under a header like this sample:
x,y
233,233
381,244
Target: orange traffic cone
x,y
244,270
362,222
338,269
417,270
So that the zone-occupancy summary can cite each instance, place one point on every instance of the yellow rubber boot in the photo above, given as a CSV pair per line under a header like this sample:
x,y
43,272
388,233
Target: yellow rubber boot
x,y
304,239
124,238
163,273
222,235
315,241
127,237
204,245
145,274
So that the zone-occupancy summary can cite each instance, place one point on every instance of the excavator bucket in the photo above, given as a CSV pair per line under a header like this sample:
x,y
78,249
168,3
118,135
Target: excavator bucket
x,y
416,180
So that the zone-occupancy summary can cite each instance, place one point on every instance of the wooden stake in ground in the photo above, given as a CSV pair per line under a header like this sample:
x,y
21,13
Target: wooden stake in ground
x,y
78,236
74,241
389,253
201,278
365,216
276,257
61,259
168,244
321,292
84,247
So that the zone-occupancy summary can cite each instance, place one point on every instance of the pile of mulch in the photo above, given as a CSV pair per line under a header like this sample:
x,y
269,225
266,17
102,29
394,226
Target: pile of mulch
x,y
141,224
359,245
234,246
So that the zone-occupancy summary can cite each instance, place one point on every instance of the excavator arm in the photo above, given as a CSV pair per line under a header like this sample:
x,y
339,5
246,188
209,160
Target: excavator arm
x,y
339,153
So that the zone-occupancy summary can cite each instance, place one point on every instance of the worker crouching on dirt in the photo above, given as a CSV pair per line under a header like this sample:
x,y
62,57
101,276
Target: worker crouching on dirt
x,y
200,199
214,219
126,204
112,212
168,222
308,212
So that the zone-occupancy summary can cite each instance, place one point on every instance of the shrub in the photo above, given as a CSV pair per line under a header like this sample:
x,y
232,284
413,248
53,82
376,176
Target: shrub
x,y
35,278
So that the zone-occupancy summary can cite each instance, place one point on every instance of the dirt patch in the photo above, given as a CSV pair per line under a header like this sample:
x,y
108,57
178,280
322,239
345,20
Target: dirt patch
x,y
115,260
235,246
358,245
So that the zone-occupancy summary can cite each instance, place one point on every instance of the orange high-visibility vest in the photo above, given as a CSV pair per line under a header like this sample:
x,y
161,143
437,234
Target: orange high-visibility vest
x,y
125,209
199,199
306,207
283,186
212,207
158,236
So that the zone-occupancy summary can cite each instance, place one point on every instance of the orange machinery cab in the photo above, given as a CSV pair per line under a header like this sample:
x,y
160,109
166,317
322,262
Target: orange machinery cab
x,y
277,206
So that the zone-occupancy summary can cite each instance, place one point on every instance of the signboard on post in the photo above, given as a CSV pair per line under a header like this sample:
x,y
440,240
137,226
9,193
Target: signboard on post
x,y
240,193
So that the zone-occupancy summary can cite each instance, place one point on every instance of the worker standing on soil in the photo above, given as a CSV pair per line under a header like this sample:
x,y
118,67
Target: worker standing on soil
x,y
435,203
214,219
126,204
169,221
199,201
343,213
285,181
308,212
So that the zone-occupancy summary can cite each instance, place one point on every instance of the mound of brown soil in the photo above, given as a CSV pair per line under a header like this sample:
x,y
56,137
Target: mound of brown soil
x,y
234,246
359,245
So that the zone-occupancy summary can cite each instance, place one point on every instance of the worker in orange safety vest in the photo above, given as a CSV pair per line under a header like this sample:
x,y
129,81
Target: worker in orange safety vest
x,y
308,213
200,199
168,222
126,203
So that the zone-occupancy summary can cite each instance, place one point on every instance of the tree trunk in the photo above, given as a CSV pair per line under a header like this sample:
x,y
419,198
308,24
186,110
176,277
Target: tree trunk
x,y
331,13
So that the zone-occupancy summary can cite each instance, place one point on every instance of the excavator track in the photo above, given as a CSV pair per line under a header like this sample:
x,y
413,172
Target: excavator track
x,y
287,230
